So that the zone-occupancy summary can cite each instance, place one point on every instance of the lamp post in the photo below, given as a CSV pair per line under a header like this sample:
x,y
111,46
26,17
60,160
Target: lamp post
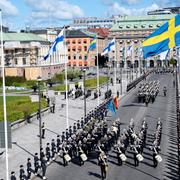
x,y
40,132
107,76
84,78
121,79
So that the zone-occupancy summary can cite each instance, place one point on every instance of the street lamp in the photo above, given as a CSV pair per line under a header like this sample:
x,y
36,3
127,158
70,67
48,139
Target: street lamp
x,y
39,113
108,69
84,78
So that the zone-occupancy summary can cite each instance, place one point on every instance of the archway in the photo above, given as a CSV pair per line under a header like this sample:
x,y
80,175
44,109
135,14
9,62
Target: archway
x,y
151,63
159,63
129,64
136,64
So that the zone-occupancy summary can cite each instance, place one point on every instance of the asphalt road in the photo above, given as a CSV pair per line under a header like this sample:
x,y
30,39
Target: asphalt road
x,y
163,107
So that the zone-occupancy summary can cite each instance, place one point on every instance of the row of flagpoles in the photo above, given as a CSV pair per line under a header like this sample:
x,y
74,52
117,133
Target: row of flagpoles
x,y
60,46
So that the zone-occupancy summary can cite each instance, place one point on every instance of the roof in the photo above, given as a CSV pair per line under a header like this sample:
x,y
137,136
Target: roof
x,y
79,34
22,37
104,32
140,22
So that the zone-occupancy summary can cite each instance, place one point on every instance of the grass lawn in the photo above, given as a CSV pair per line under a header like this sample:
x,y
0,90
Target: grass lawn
x,y
90,83
17,106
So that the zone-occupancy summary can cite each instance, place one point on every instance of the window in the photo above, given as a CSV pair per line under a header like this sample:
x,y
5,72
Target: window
x,y
74,57
74,42
69,57
24,61
69,50
15,61
24,51
85,58
79,41
84,41
80,57
16,50
85,48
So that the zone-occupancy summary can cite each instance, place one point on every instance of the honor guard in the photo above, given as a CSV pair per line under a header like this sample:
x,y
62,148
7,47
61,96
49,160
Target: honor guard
x,y
43,130
103,164
42,155
36,163
53,149
44,167
29,169
48,154
58,143
21,173
13,177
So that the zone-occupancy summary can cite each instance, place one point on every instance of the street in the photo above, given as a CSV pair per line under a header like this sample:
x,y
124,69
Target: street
x,y
163,107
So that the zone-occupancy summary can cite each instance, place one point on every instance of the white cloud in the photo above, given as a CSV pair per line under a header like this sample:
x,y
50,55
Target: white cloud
x,y
53,10
117,9
131,1
8,8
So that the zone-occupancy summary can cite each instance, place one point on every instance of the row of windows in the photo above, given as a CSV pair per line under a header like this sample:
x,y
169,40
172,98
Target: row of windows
x,y
142,26
75,57
79,41
79,49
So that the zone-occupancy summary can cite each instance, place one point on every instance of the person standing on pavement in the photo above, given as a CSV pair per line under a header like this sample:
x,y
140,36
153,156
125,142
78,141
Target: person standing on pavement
x,y
44,167
53,149
22,173
53,101
13,177
29,169
103,164
36,164
43,130
48,154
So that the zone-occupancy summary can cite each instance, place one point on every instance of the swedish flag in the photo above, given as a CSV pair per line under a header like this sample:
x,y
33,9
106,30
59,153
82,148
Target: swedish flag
x,y
164,38
92,44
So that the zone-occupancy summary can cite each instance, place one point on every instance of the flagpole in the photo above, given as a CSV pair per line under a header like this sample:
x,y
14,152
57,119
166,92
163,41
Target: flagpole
x,y
66,82
133,60
97,71
4,102
126,62
140,61
115,64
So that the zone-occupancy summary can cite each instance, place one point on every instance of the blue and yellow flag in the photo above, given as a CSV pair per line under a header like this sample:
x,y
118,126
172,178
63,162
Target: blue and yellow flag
x,y
164,38
92,44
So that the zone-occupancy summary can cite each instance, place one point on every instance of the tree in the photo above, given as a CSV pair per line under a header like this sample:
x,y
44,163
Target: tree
x,y
173,62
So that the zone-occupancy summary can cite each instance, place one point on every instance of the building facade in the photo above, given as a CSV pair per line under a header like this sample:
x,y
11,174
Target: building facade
x,y
93,22
130,32
24,56
78,42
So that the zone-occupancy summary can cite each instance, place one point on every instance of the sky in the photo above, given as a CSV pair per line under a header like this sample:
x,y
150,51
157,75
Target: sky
x,y
17,14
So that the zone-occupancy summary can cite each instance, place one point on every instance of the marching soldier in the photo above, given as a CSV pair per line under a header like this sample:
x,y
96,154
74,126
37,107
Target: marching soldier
x,y
53,149
42,155
63,136
103,164
13,177
58,143
44,167
21,173
48,154
43,130
29,168
36,164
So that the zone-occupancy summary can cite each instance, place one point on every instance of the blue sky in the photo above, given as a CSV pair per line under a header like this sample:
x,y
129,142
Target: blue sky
x,y
17,14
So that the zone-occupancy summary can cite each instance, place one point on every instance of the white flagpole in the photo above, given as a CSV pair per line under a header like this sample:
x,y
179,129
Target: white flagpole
x,y
115,63
133,60
67,106
97,69
4,102
126,62
140,61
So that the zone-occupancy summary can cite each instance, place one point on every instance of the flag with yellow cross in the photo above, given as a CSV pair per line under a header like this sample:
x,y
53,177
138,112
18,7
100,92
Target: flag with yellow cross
x,y
162,39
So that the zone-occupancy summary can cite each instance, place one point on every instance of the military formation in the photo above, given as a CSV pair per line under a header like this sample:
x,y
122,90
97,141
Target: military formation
x,y
93,134
148,91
